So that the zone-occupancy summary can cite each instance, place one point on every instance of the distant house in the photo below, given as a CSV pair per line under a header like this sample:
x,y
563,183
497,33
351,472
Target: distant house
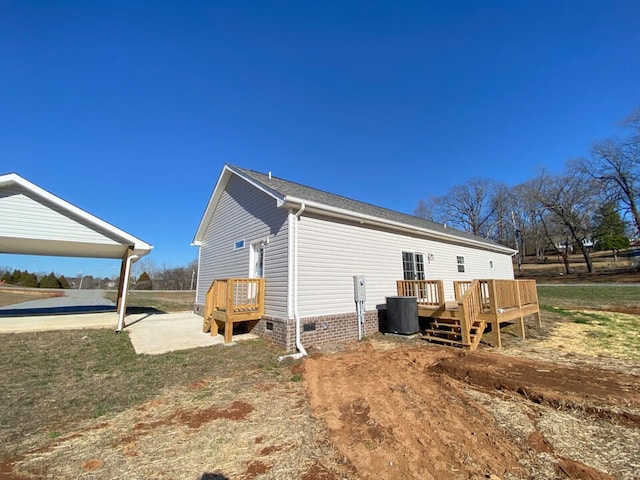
x,y
308,244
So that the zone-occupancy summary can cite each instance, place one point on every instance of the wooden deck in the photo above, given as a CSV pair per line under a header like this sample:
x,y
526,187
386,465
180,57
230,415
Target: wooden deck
x,y
232,300
478,303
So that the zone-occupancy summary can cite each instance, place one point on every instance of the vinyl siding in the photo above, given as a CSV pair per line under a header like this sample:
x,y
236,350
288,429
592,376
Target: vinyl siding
x,y
331,252
24,216
246,213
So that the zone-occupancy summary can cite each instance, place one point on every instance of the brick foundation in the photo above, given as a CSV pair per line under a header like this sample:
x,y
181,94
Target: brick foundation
x,y
317,331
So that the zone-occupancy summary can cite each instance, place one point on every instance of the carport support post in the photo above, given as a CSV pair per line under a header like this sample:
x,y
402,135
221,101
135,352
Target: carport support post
x,y
123,288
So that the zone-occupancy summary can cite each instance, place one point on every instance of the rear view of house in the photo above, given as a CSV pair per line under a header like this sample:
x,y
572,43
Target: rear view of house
x,y
308,245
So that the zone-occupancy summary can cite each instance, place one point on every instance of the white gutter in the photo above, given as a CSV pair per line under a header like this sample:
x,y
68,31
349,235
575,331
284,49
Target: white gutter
x,y
301,351
125,289
291,201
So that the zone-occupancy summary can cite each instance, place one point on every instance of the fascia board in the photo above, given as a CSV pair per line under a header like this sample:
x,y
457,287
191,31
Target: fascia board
x,y
293,202
139,246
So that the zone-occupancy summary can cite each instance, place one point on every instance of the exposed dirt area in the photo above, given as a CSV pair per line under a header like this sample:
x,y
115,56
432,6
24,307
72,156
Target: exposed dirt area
x,y
434,412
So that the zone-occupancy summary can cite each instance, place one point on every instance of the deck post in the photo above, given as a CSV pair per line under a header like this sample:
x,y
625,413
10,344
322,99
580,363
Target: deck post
x,y
464,326
441,293
519,320
535,295
493,310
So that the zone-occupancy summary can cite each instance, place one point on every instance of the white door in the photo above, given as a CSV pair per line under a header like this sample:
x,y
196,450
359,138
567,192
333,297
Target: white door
x,y
256,267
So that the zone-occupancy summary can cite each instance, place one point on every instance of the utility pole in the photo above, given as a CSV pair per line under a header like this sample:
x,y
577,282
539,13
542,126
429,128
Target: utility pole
x,y
518,238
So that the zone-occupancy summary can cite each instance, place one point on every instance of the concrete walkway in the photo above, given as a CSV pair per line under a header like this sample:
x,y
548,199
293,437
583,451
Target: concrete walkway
x,y
150,333
167,332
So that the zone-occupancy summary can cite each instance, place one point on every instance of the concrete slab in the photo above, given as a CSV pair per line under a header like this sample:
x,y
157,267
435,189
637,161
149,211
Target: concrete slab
x,y
167,332
150,334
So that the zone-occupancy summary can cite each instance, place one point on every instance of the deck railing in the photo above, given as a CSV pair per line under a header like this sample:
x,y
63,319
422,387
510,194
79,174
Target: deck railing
x,y
236,295
460,287
428,292
233,300
478,302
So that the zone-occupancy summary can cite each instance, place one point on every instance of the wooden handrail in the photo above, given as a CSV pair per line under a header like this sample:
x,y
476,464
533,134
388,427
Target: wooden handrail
x,y
470,306
428,292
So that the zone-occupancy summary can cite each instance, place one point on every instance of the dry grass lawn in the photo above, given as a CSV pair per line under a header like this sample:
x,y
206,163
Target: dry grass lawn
x,y
82,404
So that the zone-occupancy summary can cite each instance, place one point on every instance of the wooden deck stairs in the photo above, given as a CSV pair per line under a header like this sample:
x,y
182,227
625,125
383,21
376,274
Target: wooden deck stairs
x,y
478,304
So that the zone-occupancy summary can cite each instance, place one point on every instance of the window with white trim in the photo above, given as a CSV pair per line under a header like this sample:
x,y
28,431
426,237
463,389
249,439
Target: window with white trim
x,y
413,266
460,264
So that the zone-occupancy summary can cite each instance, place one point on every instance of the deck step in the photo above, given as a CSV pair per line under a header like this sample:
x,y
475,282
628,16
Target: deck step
x,y
445,340
451,328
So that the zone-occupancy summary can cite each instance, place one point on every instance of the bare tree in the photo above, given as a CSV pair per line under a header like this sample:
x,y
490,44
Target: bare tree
x,y
569,200
468,207
527,214
616,163
425,209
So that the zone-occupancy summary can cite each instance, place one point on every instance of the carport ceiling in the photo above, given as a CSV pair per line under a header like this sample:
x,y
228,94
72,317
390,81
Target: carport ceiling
x,y
36,222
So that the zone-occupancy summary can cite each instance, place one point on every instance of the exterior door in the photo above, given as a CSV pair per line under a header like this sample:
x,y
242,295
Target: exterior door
x,y
256,267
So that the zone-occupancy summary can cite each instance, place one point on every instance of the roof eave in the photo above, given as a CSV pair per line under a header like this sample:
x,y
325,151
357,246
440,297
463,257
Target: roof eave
x,y
140,247
294,202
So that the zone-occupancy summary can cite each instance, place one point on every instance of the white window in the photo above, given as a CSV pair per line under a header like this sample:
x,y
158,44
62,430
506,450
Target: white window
x,y
460,264
413,266
239,245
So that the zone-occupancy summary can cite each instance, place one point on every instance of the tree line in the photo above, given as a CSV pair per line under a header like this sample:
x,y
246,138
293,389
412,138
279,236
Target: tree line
x,y
24,278
591,204
147,277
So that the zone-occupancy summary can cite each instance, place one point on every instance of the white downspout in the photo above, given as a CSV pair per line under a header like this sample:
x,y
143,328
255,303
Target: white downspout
x,y
301,351
125,289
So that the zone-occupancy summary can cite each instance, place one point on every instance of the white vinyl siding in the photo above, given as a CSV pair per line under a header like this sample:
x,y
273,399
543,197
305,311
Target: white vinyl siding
x,y
27,217
332,251
246,213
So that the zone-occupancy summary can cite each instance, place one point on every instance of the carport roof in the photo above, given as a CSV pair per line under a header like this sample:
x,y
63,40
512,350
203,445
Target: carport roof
x,y
33,221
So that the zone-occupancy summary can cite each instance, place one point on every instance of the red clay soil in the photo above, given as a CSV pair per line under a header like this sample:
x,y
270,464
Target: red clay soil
x,y
405,413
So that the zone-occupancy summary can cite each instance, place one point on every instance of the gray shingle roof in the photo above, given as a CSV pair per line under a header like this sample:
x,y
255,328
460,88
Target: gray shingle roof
x,y
287,188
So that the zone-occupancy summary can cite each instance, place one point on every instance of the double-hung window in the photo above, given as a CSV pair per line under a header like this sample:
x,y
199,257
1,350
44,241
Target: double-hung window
x,y
460,264
413,266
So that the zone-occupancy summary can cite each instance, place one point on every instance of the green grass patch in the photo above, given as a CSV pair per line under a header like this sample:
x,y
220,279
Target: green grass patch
x,y
609,333
52,381
579,316
589,296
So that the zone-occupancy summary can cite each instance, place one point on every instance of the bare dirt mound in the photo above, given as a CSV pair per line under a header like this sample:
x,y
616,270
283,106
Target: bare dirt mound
x,y
428,412
599,392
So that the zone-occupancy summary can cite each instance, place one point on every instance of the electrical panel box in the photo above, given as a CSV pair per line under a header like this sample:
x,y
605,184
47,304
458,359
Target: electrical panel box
x,y
359,288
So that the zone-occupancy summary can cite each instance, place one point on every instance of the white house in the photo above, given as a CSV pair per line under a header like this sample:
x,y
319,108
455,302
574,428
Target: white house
x,y
308,244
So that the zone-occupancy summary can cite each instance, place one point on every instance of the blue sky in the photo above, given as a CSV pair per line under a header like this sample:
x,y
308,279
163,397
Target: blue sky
x,y
129,110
